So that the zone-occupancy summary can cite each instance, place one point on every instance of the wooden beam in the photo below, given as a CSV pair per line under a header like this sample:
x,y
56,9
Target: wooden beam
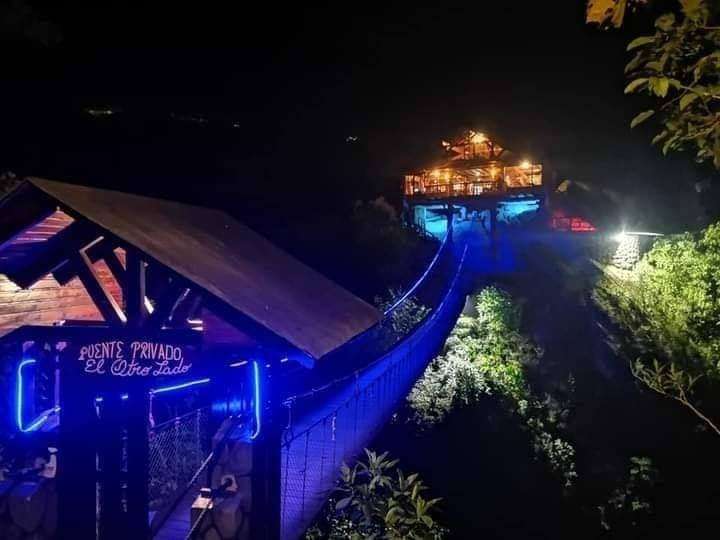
x,y
134,290
116,267
91,332
98,251
103,300
53,253
166,305
23,208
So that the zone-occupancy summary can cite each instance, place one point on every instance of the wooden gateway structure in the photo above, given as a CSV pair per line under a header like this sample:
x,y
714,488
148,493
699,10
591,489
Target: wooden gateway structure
x,y
111,302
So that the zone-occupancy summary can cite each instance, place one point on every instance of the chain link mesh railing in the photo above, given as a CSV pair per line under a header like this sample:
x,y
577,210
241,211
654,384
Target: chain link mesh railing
x,y
177,449
334,424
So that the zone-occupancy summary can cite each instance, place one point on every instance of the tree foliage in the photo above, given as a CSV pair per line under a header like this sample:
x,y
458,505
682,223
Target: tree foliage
x,y
678,67
378,501
670,305
486,354
406,316
609,13
378,236
629,505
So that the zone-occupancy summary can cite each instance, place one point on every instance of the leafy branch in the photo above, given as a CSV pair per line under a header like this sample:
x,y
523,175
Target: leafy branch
x,y
679,68
379,501
673,382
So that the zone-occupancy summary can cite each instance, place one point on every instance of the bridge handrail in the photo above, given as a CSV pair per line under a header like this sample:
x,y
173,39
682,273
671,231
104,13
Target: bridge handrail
x,y
416,334
420,280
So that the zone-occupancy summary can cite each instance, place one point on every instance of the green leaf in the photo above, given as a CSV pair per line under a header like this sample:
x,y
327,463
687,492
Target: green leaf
x,y
391,516
640,118
640,42
665,22
633,64
659,85
634,85
659,137
668,144
692,8
687,99
342,504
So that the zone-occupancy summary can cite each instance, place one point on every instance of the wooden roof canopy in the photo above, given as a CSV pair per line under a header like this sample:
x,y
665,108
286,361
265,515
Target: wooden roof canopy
x,y
252,281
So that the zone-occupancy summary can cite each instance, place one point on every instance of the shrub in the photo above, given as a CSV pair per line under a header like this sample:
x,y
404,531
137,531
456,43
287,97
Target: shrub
x,y
630,504
448,381
376,500
406,316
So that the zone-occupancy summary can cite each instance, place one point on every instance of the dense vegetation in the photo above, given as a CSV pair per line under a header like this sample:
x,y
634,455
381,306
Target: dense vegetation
x,y
376,500
668,308
487,355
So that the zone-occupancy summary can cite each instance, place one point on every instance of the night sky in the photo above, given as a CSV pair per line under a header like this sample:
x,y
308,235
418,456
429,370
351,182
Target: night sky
x,y
298,80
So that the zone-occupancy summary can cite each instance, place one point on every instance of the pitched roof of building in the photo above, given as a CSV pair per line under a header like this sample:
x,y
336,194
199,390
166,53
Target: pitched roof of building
x,y
227,260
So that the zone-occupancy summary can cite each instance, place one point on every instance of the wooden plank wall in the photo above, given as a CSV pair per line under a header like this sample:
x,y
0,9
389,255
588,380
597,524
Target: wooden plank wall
x,y
47,303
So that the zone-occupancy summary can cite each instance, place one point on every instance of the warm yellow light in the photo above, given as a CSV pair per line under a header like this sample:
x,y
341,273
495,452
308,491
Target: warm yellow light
x,y
525,164
478,138
435,173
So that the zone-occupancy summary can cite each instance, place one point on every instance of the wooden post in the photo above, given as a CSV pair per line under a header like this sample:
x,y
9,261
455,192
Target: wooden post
x,y
134,290
138,406
76,460
137,464
111,447
266,469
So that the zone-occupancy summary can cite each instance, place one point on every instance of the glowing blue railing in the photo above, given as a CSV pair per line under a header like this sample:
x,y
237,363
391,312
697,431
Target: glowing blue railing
x,y
420,280
333,423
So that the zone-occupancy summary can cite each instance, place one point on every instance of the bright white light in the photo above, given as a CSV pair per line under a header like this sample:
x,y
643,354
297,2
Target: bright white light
x,y
525,164
619,237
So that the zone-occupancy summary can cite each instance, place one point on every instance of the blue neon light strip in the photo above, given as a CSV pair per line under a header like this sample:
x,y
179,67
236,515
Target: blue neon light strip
x,y
256,399
40,420
420,280
179,386
20,401
19,394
